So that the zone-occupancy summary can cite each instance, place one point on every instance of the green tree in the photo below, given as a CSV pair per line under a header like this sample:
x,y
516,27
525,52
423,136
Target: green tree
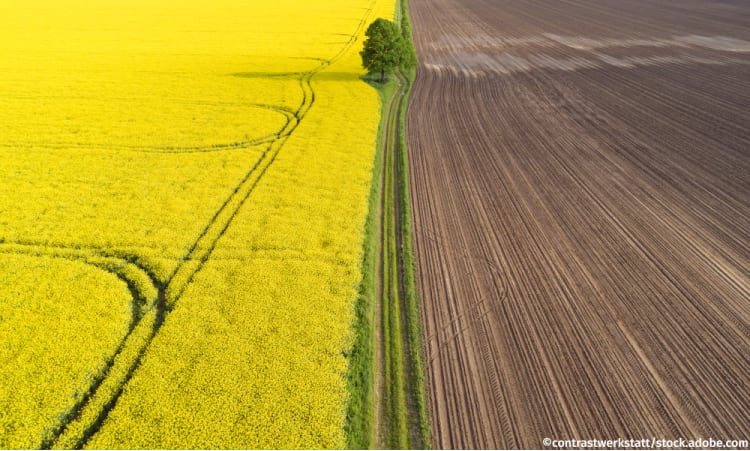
x,y
409,53
385,48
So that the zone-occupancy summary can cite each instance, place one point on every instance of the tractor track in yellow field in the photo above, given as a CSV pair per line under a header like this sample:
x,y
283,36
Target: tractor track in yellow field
x,y
169,290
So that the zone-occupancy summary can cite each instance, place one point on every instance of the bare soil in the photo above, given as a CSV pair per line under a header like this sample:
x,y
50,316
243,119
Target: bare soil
x,y
580,180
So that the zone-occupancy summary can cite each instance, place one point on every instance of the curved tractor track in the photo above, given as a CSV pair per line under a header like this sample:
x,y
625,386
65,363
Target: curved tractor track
x,y
149,312
580,185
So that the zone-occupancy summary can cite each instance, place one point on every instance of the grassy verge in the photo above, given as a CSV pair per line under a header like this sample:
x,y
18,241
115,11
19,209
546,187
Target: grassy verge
x,y
395,356
360,430
389,272
413,314
412,302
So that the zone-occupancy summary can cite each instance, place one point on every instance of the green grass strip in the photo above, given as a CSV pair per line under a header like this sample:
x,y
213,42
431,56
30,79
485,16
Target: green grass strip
x,y
360,419
381,235
412,301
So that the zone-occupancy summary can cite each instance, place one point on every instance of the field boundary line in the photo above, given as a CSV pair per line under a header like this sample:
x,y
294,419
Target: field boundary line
x,y
405,420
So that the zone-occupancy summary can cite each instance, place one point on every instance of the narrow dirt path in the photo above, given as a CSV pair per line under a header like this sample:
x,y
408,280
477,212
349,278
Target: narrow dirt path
x,y
397,411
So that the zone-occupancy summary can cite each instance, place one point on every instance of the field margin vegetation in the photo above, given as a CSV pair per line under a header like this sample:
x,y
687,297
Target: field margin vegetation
x,y
390,412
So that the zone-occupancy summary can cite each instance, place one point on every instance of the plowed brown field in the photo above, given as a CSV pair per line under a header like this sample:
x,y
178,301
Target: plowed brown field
x,y
580,179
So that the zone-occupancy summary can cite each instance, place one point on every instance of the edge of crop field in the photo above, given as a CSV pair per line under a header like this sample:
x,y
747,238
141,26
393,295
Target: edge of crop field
x,y
413,301
360,414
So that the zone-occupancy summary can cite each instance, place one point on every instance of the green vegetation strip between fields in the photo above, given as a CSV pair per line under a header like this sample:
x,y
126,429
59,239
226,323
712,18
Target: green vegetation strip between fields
x,y
387,354
360,427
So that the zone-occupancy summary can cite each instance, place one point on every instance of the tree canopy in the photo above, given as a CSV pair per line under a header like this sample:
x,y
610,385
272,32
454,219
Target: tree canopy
x,y
386,48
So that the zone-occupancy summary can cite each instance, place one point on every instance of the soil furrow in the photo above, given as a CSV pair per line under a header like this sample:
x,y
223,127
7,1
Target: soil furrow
x,y
582,223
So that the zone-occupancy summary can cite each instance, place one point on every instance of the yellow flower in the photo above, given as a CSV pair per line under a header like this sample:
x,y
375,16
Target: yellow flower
x,y
182,202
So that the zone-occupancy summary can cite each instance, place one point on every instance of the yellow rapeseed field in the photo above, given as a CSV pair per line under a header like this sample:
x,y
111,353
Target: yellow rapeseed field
x,y
183,188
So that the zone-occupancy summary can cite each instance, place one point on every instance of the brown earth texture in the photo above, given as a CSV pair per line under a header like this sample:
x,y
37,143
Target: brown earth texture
x,y
580,182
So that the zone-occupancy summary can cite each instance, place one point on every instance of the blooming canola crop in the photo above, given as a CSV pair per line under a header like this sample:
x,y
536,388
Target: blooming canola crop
x,y
182,201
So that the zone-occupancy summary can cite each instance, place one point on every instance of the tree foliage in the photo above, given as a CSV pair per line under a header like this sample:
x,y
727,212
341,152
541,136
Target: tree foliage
x,y
386,48
409,53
